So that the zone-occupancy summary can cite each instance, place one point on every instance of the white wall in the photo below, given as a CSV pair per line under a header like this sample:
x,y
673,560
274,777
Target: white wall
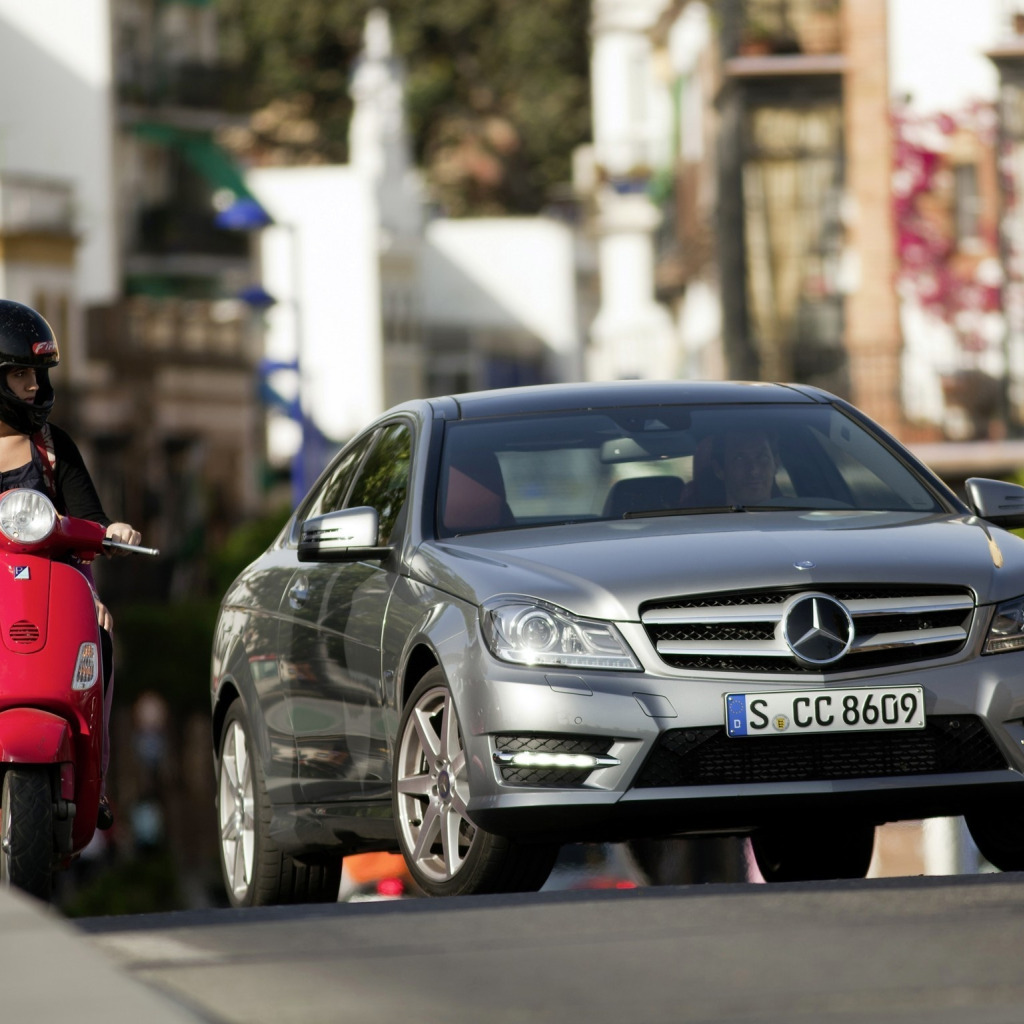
x,y
328,245
56,118
505,273
937,51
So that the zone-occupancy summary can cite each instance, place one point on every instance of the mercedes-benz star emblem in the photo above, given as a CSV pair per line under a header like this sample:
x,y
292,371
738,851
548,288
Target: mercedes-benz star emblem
x,y
817,628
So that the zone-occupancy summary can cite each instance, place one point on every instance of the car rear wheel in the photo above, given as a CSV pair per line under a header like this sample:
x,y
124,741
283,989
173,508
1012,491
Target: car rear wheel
x,y
256,871
446,853
808,852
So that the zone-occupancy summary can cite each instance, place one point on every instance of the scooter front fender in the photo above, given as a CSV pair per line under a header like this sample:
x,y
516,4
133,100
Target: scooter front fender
x,y
31,736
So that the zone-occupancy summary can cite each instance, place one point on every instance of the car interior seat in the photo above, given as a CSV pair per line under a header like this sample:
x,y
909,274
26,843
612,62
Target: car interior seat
x,y
474,494
644,494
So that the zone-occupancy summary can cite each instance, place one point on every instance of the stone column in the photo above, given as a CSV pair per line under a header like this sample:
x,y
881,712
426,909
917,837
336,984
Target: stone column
x,y
632,334
873,337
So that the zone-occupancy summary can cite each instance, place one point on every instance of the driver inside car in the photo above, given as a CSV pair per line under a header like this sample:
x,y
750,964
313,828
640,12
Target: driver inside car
x,y
745,463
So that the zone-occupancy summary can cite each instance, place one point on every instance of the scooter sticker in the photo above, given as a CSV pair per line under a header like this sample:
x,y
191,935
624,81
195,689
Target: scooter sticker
x,y
21,572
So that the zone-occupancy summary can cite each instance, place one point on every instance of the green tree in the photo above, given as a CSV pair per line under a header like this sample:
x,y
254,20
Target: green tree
x,y
497,90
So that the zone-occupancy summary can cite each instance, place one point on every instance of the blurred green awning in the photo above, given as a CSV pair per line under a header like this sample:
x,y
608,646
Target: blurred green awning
x,y
212,161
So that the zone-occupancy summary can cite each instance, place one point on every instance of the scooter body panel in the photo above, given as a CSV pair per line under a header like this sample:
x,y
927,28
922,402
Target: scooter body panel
x,y
24,595
47,611
31,736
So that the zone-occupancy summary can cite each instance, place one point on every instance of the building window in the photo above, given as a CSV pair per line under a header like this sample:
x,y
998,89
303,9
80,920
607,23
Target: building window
x,y
792,179
966,204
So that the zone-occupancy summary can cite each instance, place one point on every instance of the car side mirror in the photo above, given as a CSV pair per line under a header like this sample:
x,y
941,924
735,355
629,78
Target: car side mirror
x,y
348,535
999,503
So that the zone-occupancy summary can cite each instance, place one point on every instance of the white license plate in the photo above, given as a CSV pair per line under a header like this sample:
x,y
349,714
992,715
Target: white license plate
x,y
792,712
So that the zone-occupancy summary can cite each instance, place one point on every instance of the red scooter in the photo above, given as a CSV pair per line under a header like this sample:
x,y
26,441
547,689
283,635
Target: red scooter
x,y
51,689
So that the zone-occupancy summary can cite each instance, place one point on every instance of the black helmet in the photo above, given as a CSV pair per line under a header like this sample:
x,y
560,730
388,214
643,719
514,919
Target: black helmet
x,y
26,339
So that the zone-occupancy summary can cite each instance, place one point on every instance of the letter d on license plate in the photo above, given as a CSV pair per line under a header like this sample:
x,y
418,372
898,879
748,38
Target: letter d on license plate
x,y
792,712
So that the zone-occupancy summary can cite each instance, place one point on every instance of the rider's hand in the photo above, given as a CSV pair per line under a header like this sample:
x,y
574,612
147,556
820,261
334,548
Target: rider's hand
x,y
103,615
123,534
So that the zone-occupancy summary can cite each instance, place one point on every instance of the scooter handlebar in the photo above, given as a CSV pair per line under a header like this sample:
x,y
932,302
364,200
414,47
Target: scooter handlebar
x,y
135,549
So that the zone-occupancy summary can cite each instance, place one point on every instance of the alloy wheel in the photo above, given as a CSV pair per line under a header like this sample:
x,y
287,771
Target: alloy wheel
x,y
432,789
235,808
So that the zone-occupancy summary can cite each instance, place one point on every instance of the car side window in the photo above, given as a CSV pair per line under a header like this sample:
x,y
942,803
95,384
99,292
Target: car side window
x,y
383,479
330,496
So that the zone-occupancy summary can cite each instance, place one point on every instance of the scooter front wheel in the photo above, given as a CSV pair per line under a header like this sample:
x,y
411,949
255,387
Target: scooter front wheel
x,y
26,832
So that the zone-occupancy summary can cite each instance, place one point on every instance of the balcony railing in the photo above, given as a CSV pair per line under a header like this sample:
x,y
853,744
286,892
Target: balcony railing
x,y
147,331
810,27
190,84
168,229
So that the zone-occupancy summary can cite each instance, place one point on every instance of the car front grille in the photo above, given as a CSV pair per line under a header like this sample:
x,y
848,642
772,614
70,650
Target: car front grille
x,y
546,744
743,632
708,757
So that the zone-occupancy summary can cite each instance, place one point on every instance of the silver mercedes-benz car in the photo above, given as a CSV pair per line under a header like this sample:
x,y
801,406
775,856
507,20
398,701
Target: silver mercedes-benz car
x,y
504,621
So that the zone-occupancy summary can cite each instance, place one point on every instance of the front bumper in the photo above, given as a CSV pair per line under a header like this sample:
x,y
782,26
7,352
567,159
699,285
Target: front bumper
x,y
585,817
637,714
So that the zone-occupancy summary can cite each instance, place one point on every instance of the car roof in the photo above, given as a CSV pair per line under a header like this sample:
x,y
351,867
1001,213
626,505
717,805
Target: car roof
x,y
612,394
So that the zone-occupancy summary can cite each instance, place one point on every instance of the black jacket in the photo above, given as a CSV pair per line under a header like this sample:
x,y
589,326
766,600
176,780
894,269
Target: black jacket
x,y
76,493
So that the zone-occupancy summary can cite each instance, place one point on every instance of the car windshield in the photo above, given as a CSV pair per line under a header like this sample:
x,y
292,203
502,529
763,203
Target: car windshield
x,y
592,464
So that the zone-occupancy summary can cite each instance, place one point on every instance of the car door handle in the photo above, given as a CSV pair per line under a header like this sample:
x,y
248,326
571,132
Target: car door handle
x,y
298,593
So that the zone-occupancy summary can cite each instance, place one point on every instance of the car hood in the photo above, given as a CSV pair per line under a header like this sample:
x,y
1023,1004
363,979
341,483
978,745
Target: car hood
x,y
608,569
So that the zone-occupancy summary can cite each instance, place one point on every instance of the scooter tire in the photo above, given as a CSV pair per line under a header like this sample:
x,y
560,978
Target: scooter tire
x,y
26,832
266,876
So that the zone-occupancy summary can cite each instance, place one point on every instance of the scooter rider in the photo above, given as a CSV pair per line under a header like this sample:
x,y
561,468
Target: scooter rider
x,y
41,456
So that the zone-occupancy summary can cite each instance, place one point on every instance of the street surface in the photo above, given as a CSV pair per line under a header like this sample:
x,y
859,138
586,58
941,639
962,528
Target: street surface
x,y
932,950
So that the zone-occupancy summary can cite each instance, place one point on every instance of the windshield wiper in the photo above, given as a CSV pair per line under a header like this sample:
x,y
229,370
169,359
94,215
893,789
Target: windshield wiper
x,y
718,510
710,510
780,508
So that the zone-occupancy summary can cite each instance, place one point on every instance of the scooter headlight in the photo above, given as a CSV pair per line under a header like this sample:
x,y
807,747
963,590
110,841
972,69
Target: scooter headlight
x,y
26,517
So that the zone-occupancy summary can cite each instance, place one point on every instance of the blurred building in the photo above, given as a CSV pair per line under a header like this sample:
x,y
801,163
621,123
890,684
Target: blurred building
x,y
110,180
632,334
1006,137
38,248
754,130
180,332
376,300
827,191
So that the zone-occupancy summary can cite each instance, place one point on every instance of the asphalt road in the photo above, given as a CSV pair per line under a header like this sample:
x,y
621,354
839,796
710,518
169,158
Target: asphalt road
x,y
932,950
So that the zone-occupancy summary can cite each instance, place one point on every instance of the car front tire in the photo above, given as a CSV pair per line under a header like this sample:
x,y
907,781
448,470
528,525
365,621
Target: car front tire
x,y
447,855
255,870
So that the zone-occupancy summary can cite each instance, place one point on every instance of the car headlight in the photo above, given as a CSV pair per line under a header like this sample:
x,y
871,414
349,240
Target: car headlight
x,y
26,517
1007,630
536,633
